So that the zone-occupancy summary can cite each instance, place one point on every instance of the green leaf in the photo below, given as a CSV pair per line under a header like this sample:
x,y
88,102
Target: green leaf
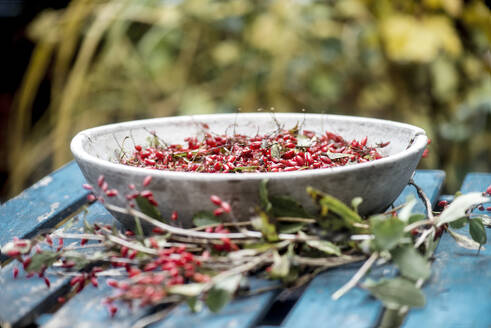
x,y
262,224
263,195
325,246
195,305
303,141
411,264
477,231
330,203
263,246
147,208
396,292
87,227
192,289
205,218
287,206
221,293
276,151
280,267
459,206
43,259
334,156
458,224
416,217
355,202
290,227
405,212
387,231
464,241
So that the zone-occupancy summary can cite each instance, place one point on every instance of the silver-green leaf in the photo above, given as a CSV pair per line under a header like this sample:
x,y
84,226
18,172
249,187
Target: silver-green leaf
x,y
396,292
459,206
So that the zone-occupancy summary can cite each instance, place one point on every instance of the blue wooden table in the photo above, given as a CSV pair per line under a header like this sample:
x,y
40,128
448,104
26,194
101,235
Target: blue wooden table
x,y
458,292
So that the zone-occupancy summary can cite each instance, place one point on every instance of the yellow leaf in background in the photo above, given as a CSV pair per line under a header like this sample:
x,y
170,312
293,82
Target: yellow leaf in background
x,y
226,52
352,9
196,101
452,7
269,34
444,32
325,29
444,79
407,38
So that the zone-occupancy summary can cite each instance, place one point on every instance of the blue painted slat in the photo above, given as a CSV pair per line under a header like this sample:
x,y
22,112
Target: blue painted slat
x,y
356,308
86,310
22,299
242,312
458,293
426,179
43,205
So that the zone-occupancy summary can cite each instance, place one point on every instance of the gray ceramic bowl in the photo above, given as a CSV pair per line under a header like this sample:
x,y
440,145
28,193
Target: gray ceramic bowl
x,y
378,183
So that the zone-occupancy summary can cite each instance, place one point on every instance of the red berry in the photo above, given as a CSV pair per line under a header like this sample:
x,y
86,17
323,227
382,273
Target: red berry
x,y
442,203
174,216
219,211
87,186
147,180
94,282
16,272
226,207
216,200
91,198
100,180
112,283
111,193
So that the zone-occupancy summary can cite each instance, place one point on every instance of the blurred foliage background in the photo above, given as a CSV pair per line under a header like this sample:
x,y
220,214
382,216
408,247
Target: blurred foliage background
x,y
423,62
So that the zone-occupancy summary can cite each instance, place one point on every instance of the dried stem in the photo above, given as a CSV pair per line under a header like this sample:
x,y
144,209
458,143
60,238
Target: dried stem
x,y
356,278
425,200
200,234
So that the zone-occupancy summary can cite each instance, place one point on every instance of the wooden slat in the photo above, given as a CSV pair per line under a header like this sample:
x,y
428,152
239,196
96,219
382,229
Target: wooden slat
x,y
86,310
43,205
23,299
458,293
356,308
242,312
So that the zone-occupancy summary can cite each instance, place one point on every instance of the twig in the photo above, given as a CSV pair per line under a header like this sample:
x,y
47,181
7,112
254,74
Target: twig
x,y
294,219
239,269
225,224
329,262
136,247
200,234
423,236
146,321
417,224
356,278
425,200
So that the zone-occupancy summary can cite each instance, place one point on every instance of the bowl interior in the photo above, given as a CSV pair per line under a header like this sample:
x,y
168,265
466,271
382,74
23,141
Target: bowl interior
x,y
107,142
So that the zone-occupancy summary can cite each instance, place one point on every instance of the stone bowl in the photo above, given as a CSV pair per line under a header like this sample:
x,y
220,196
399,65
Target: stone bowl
x,y
378,182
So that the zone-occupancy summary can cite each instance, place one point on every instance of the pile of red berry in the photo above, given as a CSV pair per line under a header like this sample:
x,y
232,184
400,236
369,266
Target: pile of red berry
x,y
282,151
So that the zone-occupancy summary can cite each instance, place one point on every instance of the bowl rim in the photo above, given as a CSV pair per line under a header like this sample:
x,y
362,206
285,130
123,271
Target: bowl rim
x,y
81,155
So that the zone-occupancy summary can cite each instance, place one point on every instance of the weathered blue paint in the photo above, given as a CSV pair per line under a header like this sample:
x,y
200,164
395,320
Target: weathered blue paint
x,y
458,294
43,205
22,299
431,181
356,308
240,313
86,310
